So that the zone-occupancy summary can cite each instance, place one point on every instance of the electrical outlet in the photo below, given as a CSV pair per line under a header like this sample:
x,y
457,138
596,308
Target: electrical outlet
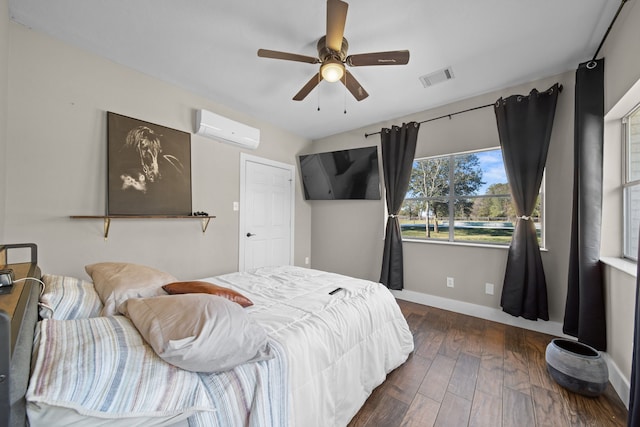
x,y
306,260
488,288
236,206
449,282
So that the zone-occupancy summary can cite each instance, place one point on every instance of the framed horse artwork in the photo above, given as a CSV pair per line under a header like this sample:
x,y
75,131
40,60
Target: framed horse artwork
x,y
149,168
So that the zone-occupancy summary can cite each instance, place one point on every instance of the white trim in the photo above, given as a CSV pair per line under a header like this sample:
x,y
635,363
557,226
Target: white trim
x,y
622,264
244,158
481,311
619,383
617,379
459,243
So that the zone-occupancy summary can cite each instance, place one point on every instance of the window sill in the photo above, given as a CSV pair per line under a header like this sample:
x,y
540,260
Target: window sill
x,y
622,264
467,244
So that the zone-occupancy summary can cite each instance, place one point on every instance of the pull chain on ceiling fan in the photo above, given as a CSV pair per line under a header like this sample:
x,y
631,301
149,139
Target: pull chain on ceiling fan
x,y
332,56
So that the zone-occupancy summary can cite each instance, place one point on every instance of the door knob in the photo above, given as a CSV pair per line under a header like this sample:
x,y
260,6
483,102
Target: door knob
x,y
250,234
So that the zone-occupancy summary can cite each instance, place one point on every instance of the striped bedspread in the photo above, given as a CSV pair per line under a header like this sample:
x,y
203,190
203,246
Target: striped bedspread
x,y
101,368
253,395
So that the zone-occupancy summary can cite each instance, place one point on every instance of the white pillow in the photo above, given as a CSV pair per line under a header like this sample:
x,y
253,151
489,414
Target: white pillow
x,y
116,282
67,298
198,332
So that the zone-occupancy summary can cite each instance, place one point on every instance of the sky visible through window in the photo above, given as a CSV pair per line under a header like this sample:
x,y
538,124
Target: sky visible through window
x,y
492,169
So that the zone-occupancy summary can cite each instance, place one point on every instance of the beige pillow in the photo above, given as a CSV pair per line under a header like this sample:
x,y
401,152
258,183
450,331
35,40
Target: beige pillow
x,y
200,287
116,282
198,332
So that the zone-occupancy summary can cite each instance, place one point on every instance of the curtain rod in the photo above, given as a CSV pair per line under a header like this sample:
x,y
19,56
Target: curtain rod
x,y
609,29
366,135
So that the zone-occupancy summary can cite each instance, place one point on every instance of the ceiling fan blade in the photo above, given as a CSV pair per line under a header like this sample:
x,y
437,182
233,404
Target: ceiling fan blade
x,y
312,83
274,54
393,57
336,19
353,86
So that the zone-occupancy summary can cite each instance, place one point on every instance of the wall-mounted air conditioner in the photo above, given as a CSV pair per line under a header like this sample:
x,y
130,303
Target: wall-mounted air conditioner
x,y
226,130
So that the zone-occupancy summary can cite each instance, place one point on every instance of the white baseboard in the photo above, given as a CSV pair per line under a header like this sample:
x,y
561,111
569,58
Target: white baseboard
x,y
481,311
618,381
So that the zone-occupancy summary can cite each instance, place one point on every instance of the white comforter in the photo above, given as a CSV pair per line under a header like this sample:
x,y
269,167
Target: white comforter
x,y
332,351
339,347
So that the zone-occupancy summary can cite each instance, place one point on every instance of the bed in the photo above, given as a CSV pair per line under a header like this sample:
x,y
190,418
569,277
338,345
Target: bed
x,y
324,341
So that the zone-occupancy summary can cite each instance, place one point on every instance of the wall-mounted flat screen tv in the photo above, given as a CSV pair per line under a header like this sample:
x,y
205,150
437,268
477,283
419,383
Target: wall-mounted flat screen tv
x,y
341,175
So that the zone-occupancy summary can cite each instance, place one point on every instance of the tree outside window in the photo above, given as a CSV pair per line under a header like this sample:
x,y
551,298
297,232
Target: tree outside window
x,y
460,197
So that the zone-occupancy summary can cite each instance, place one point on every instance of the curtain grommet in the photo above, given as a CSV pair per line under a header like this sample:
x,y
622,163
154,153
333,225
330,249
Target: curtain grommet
x,y
591,65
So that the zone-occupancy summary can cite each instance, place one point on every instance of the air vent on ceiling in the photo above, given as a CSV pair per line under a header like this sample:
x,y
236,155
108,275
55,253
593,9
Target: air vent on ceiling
x,y
436,77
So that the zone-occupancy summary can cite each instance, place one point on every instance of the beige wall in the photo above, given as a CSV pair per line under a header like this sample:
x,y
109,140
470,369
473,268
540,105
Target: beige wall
x,y
4,79
357,226
622,67
620,297
622,92
58,98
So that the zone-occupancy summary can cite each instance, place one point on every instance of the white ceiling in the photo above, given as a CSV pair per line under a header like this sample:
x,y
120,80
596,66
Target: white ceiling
x,y
209,47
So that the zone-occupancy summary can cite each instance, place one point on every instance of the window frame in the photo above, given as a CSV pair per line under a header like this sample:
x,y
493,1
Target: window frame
x,y
451,197
627,185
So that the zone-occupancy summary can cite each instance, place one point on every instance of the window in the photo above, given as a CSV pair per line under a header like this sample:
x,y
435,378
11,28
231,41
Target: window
x,y
631,184
466,190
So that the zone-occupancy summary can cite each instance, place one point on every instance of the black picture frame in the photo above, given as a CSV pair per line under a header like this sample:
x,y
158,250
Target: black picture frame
x,y
149,168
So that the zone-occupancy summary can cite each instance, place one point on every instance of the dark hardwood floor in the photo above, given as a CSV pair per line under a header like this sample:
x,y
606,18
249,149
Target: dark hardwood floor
x,y
467,371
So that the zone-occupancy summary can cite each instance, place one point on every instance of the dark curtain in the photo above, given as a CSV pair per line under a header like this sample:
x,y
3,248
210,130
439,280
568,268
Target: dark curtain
x,y
398,149
633,419
584,315
524,127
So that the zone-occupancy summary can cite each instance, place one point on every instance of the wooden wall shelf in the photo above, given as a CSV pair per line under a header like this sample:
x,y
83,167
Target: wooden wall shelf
x,y
107,219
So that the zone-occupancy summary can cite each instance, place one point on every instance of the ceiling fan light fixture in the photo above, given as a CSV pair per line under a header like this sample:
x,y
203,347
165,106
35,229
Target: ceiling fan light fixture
x,y
332,56
332,70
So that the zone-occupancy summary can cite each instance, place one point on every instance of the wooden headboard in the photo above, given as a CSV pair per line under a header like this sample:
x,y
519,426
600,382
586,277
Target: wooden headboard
x,y
18,316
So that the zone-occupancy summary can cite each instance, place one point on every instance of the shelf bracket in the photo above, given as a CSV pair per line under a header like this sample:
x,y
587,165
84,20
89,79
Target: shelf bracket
x,y
107,223
205,224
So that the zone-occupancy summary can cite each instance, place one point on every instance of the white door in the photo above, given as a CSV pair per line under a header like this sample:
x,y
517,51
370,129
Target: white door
x,y
266,213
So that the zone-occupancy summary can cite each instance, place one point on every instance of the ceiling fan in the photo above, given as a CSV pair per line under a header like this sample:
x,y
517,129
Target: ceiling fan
x,y
332,55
